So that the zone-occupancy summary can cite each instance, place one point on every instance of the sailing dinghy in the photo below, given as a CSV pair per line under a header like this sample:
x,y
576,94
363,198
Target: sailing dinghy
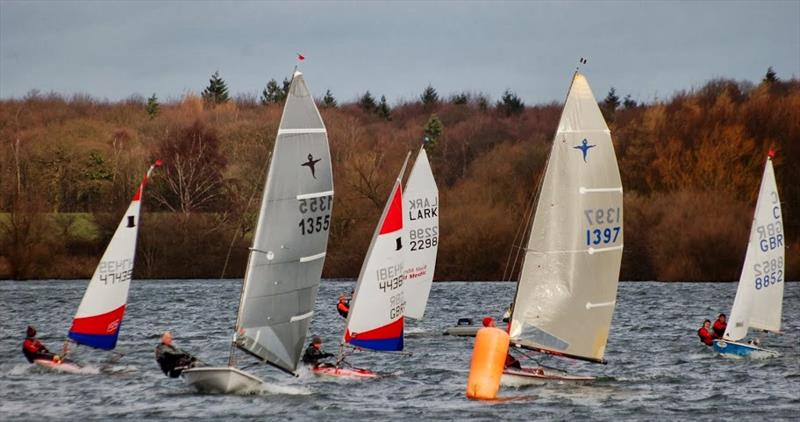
x,y
285,263
567,288
759,296
375,320
421,221
99,317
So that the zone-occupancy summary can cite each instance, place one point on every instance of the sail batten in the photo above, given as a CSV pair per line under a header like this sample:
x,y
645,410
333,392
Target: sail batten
x,y
759,295
291,237
568,284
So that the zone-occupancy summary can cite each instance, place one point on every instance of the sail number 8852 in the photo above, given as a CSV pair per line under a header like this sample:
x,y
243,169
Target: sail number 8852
x,y
768,273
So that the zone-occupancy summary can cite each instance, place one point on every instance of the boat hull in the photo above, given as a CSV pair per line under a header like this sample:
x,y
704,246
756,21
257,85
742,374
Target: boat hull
x,y
332,371
462,330
65,367
742,350
528,376
224,380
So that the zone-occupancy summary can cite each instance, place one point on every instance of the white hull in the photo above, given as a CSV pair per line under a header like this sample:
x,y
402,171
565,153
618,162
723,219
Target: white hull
x,y
224,380
537,376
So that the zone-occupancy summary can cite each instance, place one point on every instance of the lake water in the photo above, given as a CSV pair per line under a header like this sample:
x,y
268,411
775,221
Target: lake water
x,y
656,368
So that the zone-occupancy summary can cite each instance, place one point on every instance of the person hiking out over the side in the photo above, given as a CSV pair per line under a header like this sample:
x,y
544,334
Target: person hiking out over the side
x,y
343,307
719,326
172,360
705,335
314,352
33,349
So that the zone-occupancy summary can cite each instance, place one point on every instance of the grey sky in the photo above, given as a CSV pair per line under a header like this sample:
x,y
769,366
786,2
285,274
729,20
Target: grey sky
x,y
115,49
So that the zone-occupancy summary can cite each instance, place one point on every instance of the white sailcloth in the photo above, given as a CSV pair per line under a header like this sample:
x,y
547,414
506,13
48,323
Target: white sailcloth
x,y
568,285
99,316
285,264
375,320
759,297
421,219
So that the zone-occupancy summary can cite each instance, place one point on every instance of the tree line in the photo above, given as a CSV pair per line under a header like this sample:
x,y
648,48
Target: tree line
x,y
691,166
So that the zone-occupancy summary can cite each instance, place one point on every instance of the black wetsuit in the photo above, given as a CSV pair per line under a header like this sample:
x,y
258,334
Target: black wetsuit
x,y
173,360
312,356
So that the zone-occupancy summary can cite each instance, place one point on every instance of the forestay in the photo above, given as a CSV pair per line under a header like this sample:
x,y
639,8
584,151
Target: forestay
x,y
375,320
759,297
99,316
421,216
288,252
568,285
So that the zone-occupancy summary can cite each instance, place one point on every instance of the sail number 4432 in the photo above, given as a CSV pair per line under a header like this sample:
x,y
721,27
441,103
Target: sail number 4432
x,y
610,218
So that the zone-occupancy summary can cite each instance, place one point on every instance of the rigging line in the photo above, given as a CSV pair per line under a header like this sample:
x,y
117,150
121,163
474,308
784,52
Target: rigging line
x,y
519,236
539,363
241,223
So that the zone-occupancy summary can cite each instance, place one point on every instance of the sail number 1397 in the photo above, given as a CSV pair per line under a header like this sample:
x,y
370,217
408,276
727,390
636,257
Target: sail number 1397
x,y
609,217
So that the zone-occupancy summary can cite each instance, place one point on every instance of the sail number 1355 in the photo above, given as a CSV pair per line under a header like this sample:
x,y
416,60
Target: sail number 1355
x,y
315,223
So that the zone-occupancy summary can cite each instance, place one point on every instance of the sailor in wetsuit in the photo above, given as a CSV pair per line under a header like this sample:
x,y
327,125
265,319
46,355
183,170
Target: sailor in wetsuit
x,y
314,353
719,326
343,307
705,336
171,359
33,349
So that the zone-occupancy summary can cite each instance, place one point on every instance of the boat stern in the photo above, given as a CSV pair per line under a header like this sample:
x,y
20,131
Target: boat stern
x,y
224,380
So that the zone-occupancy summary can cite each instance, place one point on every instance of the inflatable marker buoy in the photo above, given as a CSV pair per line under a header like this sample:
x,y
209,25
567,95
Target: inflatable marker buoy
x,y
488,359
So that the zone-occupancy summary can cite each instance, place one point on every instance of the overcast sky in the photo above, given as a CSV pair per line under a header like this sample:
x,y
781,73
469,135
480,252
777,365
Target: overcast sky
x,y
646,48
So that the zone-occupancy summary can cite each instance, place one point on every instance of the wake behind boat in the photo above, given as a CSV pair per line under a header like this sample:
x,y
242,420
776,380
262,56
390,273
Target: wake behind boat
x,y
759,296
288,252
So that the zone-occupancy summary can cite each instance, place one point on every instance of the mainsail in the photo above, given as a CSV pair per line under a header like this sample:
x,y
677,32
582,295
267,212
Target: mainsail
x,y
568,285
375,320
421,215
759,297
99,316
291,238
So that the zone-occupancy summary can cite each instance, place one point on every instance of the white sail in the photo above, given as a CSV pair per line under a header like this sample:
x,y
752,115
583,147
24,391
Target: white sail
x,y
375,320
99,316
759,297
285,264
568,285
421,215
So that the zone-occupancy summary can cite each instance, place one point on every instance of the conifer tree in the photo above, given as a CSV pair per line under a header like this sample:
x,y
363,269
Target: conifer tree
x,y
460,99
429,96
771,76
510,104
611,101
433,132
328,100
367,103
273,93
152,106
217,90
383,109
629,102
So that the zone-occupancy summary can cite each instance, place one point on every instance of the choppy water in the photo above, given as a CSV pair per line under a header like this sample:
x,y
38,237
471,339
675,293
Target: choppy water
x,y
657,368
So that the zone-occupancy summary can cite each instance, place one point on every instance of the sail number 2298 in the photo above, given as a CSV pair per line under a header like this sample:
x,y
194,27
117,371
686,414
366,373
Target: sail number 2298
x,y
609,217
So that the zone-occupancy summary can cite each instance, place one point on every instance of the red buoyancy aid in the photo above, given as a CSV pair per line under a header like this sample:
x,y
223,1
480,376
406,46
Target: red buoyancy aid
x,y
705,336
719,328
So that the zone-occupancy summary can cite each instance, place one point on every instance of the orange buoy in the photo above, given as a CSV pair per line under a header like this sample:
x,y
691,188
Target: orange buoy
x,y
488,359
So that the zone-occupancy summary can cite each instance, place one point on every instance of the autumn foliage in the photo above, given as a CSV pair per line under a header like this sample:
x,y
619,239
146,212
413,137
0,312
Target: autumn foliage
x,y
691,167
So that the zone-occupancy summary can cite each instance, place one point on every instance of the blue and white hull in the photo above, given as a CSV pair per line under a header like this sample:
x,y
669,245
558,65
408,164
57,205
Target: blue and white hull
x,y
742,350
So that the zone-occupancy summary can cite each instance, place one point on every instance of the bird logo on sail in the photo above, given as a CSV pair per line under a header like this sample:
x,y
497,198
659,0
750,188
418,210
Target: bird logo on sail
x,y
584,147
310,164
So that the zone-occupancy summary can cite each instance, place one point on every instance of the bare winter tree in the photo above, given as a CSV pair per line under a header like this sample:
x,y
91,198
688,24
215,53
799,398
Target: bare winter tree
x,y
191,178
